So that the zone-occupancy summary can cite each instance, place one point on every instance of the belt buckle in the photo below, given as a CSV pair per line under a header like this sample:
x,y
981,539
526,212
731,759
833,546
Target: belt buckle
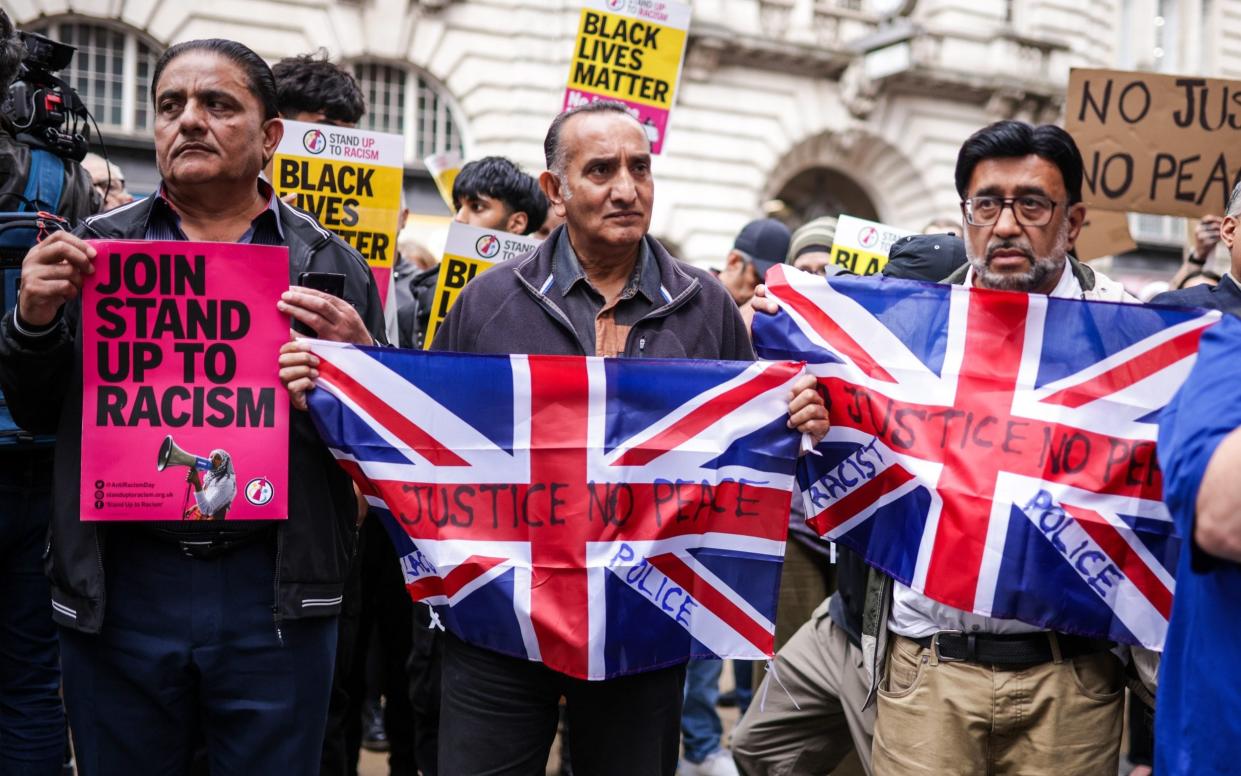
x,y
195,550
946,659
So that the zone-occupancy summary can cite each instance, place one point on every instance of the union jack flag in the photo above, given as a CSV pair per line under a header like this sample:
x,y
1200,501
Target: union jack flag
x,y
603,516
995,451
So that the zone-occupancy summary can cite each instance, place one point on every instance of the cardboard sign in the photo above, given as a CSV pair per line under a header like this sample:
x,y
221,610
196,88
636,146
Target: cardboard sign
x,y
1104,234
1156,143
444,168
862,246
468,252
631,51
350,181
179,346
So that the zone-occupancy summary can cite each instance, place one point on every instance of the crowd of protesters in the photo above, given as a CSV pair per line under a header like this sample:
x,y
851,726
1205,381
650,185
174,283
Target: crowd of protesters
x,y
221,648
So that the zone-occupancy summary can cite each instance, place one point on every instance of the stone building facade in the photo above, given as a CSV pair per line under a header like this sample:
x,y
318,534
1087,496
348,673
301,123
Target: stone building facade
x,y
803,107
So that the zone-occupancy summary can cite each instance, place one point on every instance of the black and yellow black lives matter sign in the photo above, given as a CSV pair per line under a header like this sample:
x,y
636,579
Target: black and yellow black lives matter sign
x,y
631,51
468,252
350,181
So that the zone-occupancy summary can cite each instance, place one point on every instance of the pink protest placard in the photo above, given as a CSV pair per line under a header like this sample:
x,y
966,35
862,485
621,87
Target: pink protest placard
x,y
183,413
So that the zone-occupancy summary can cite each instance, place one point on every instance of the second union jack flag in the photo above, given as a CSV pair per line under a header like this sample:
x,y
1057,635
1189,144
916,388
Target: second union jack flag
x,y
603,516
993,450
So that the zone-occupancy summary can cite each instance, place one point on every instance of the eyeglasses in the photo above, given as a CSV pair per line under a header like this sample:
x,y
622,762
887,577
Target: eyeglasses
x,y
1029,210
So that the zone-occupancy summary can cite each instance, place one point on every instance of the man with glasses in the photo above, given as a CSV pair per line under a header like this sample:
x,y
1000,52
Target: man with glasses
x,y
960,692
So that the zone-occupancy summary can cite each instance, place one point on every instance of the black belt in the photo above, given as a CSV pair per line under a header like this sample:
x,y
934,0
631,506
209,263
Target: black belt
x,y
1010,649
207,546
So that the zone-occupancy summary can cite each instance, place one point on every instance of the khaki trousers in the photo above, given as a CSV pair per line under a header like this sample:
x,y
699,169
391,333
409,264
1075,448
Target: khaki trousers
x,y
824,673
806,580
1061,718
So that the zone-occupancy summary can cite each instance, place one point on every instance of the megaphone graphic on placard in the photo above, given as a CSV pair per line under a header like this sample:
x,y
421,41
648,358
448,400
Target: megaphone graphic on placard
x,y
171,455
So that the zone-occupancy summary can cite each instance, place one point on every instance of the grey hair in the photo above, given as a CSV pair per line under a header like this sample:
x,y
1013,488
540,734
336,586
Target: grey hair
x,y
554,152
12,50
1234,201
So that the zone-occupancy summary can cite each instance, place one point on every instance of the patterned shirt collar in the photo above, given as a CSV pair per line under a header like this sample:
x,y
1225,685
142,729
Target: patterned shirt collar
x,y
164,223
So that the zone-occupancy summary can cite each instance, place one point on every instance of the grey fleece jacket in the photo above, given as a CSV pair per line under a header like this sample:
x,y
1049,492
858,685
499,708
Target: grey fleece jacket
x,y
505,310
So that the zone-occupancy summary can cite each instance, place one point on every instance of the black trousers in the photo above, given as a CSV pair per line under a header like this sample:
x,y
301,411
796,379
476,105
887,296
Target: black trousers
x,y
384,631
32,720
426,659
498,716
335,760
189,649
376,615
1141,732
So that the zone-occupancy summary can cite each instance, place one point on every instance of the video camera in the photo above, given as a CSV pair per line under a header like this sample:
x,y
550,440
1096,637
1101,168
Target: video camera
x,y
46,112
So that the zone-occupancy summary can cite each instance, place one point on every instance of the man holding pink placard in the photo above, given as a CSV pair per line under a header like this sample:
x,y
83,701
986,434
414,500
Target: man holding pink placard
x,y
224,624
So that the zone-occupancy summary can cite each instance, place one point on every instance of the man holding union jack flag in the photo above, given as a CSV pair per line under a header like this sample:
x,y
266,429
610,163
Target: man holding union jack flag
x,y
598,286
1021,200
959,461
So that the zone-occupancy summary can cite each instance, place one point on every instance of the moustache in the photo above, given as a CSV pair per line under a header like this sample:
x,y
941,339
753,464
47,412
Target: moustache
x,y
1007,245
192,145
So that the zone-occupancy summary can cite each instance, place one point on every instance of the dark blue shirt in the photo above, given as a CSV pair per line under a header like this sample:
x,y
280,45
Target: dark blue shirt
x,y
1198,706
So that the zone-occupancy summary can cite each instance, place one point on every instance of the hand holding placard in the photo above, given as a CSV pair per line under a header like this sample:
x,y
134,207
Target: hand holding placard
x,y
52,275
1206,237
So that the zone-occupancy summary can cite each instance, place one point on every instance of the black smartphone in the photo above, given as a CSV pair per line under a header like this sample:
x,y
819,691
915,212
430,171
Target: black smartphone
x,y
328,282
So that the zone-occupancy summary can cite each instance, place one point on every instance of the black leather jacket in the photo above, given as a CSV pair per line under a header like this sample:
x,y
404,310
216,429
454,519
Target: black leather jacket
x,y
42,379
